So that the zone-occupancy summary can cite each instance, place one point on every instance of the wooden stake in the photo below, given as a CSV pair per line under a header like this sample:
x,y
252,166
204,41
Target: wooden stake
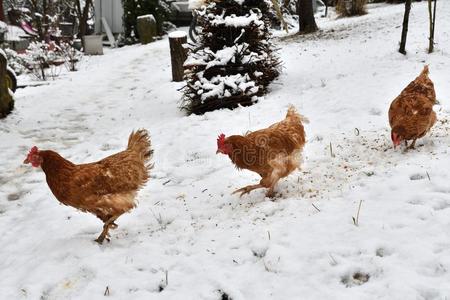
x,y
178,54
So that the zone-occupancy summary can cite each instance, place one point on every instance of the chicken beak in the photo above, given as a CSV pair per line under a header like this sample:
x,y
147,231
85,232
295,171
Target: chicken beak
x,y
217,152
26,161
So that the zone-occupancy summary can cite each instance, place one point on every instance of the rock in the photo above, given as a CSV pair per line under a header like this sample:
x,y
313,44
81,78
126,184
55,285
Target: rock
x,y
146,26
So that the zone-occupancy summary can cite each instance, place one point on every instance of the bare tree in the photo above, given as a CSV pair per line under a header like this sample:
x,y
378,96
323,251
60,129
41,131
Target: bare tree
x,y
402,49
432,15
83,16
2,12
306,16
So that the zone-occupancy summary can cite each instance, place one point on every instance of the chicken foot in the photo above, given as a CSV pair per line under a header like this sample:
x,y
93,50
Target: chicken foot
x,y
247,189
105,235
412,146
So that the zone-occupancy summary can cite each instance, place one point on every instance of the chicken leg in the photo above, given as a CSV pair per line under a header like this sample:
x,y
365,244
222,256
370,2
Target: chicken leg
x,y
413,144
105,235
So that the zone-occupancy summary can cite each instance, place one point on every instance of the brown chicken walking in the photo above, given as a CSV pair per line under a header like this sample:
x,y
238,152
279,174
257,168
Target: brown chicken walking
x,y
106,188
411,114
273,153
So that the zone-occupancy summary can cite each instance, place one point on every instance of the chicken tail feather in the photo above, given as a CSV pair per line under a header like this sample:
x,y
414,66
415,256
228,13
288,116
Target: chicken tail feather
x,y
425,71
293,115
139,142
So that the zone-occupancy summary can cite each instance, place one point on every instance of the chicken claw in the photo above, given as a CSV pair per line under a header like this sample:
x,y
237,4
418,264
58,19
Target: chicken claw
x,y
103,237
247,189
243,191
100,239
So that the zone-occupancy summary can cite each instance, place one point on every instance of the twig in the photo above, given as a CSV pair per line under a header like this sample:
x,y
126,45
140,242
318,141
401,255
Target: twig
x,y
106,293
315,207
167,181
428,176
167,277
356,221
331,150
159,220
268,233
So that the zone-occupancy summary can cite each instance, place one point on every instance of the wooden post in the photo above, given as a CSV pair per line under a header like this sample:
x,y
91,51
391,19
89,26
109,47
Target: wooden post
x,y
6,100
178,54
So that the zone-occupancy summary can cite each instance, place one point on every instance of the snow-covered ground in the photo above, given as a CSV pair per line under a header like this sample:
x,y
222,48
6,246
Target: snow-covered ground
x,y
189,238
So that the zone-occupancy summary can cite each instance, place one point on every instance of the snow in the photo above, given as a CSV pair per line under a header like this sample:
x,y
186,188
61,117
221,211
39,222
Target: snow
x,y
11,70
196,4
15,33
238,21
177,34
149,16
3,27
189,228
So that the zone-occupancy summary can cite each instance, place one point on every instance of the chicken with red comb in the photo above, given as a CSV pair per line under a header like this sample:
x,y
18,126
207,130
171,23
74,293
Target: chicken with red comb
x,y
273,153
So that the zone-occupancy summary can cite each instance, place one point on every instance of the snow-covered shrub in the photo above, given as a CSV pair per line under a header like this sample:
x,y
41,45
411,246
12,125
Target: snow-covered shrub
x,y
16,62
348,8
43,59
71,56
234,61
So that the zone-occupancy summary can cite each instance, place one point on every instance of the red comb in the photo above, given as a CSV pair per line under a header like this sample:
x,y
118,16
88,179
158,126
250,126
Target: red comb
x,y
34,150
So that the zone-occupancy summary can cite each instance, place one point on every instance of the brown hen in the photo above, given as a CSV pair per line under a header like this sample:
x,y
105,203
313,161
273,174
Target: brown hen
x,y
273,153
106,188
411,114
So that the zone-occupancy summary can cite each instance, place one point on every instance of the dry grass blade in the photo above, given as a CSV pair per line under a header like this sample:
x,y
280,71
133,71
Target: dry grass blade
x,y
356,220
331,150
315,207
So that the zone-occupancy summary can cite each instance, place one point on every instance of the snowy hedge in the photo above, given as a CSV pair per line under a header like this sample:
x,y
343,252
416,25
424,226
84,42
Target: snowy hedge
x,y
234,61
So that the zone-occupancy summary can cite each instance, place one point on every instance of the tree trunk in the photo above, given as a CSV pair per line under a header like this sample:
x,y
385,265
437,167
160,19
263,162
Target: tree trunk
x,y
178,54
6,100
45,21
2,12
83,17
405,27
432,16
306,16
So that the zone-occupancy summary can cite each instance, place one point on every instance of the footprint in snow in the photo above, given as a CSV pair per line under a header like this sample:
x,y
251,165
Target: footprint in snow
x,y
355,279
69,286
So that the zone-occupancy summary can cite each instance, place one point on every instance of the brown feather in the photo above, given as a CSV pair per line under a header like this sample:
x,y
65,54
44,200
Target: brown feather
x,y
273,152
411,114
105,188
